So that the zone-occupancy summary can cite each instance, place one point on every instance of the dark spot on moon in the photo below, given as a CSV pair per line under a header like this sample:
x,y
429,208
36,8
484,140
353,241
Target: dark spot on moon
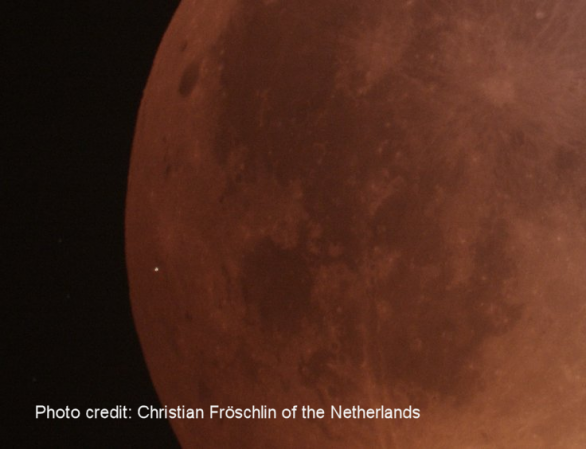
x,y
189,78
276,285
276,80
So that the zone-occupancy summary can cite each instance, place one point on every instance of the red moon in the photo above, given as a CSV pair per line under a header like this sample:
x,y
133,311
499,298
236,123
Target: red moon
x,y
366,203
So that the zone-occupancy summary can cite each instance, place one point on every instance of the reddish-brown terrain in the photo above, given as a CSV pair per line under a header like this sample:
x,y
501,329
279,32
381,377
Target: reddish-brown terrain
x,y
366,202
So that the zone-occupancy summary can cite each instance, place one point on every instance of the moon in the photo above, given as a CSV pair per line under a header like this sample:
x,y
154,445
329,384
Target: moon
x,y
366,203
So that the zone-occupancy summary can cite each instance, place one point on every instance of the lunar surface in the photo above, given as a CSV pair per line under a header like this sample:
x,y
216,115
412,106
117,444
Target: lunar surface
x,y
366,202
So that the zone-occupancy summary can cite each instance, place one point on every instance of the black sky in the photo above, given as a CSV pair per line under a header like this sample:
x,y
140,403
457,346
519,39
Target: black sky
x,y
74,74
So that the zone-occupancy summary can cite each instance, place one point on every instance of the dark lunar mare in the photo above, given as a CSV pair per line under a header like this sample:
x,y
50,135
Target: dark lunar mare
x,y
284,115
